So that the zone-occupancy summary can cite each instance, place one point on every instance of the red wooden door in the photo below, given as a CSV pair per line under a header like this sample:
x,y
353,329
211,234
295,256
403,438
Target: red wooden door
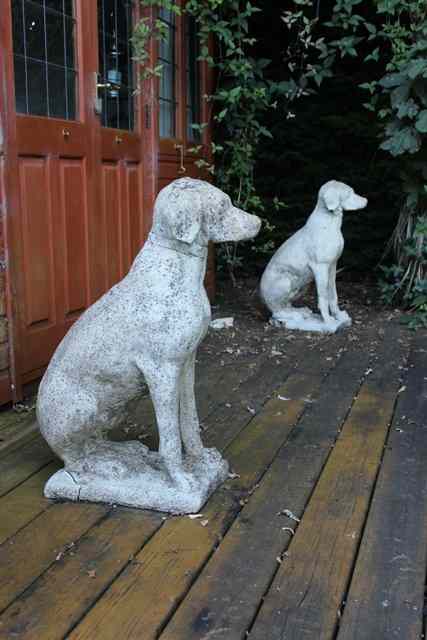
x,y
82,157
55,228
79,219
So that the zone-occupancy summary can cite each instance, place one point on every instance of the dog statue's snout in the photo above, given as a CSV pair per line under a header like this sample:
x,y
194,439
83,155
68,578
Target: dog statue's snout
x,y
356,203
247,224
254,223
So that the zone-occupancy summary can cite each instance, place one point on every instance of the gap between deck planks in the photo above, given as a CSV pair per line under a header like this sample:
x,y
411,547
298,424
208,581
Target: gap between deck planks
x,y
386,595
42,592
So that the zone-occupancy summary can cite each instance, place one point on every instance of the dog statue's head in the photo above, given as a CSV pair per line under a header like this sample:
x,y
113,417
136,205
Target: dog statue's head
x,y
192,210
338,197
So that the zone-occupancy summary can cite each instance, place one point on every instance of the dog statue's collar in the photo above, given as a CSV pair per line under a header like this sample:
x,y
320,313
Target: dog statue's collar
x,y
195,250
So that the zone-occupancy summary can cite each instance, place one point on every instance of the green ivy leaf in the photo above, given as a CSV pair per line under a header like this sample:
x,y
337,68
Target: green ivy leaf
x,y
421,123
416,68
405,140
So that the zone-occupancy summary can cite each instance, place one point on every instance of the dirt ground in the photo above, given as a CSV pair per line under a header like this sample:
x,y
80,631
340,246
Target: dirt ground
x,y
252,334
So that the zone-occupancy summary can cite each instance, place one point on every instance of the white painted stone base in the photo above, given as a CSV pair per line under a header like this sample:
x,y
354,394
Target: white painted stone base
x,y
129,474
303,319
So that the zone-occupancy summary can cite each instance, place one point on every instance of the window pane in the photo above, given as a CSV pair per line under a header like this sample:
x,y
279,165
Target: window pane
x,y
34,31
166,119
167,83
63,6
37,88
71,84
115,63
20,85
55,38
57,92
167,95
17,27
166,47
167,15
44,41
193,79
70,27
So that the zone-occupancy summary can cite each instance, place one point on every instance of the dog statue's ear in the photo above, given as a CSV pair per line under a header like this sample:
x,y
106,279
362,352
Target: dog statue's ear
x,y
332,200
186,216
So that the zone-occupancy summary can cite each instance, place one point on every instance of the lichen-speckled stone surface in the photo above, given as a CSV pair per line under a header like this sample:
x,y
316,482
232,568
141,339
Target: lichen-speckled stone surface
x,y
311,253
148,327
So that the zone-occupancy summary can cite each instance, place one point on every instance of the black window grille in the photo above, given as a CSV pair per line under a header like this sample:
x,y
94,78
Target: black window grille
x,y
167,91
115,63
193,79
44,58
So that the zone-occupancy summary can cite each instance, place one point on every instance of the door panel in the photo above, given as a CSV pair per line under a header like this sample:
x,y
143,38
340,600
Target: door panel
x,y
37,232
55,160
85,159
113,221
73,204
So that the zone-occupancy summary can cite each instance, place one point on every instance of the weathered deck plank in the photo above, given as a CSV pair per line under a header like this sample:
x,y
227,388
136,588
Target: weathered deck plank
x,y
180,549
62,595
26,502
182,546
305,598
23,463
385,599
38,546
47,548
225,598
89,572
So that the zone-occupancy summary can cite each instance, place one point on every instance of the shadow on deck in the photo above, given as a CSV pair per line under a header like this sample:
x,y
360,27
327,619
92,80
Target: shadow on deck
x,y
318,534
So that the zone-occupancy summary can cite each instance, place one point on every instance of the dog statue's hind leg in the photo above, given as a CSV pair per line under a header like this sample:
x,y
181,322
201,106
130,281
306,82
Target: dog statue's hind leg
x,y
278,293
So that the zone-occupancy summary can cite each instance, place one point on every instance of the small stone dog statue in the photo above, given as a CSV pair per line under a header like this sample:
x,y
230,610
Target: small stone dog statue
x,y
312,252
148,326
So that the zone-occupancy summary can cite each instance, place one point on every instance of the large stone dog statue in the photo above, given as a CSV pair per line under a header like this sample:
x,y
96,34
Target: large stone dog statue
x,y
312,252
148,327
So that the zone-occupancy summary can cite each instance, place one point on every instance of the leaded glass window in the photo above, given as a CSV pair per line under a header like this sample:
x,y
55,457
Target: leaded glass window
x,y
115,63
193,79
44,58
167,90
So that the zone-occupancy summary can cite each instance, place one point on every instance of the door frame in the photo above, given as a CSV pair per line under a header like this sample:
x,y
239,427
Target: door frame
x,y
11,203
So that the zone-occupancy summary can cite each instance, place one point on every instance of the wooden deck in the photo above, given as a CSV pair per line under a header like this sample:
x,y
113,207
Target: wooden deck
x,y
334,432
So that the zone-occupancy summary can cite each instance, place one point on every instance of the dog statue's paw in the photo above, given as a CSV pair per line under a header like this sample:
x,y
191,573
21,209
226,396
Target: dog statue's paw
x,y
183,480
212,456
343,318
331,325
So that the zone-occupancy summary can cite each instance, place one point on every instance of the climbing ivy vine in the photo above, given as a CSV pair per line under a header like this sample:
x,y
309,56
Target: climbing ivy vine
x,y
238,102
388,37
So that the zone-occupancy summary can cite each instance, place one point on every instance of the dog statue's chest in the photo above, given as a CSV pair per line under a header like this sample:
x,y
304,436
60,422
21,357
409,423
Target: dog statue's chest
x,y
328,245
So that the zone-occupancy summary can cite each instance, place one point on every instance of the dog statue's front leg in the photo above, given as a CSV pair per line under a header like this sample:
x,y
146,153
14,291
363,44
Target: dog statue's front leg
x,y
188,417
164,383
189,420
321,276
341,316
